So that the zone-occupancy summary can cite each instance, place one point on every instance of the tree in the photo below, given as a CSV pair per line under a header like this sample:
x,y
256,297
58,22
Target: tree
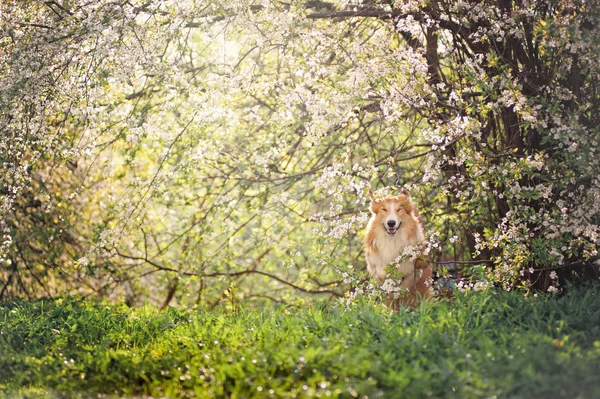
x,y
209,151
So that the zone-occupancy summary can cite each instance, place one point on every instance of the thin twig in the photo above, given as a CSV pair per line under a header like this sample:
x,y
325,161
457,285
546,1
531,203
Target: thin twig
x,y
463,262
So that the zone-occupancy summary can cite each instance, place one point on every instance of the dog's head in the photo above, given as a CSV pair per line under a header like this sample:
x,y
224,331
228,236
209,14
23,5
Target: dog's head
x,y
393,212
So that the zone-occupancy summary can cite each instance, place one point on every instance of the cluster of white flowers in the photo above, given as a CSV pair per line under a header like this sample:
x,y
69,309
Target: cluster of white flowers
x,y
393,287
466,286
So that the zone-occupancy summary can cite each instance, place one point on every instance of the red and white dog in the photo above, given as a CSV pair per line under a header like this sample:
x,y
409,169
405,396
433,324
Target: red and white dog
x,y
394,226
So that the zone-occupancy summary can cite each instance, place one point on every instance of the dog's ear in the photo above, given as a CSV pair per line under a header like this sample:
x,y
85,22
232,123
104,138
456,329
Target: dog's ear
x,y
410,206
375,206
407,203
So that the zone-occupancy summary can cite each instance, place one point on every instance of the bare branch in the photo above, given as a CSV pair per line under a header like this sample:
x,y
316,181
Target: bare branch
x,y
463,262
233,274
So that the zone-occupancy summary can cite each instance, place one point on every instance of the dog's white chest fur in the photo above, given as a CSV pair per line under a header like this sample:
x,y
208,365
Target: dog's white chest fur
x,y
388,249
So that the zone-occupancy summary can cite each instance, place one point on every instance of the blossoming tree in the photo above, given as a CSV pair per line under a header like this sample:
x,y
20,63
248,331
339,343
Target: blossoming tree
x,y
210,152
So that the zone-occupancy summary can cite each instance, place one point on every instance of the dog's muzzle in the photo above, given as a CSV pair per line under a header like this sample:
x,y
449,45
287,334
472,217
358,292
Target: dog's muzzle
x,y
392,228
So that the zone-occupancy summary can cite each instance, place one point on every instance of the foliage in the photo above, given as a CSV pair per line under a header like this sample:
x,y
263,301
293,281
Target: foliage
x,y
484,344
213,152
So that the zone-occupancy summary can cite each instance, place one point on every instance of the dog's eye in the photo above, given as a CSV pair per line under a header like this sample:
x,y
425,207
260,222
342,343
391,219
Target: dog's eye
x,y
398,210
384,209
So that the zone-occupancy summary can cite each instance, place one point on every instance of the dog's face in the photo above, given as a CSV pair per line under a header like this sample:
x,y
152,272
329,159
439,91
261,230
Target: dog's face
x,y
392,213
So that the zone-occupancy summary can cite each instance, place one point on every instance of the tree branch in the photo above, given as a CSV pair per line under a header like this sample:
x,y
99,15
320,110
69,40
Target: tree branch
x,y
361,12
274,277
232,274
463,262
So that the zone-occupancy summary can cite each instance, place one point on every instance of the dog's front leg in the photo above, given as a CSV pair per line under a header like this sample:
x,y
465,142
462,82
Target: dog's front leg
x,y
376,268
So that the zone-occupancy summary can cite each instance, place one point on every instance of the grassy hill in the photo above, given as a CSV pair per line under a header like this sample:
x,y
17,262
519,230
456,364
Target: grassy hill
x,y
482,345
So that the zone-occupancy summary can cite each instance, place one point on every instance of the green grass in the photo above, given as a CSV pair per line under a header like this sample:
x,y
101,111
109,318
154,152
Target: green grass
x,y
482,345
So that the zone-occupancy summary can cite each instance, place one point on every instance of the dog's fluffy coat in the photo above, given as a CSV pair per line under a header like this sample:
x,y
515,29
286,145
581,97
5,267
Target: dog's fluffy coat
x,y
394,226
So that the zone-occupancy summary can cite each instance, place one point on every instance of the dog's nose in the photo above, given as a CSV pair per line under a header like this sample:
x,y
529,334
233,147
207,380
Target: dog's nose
x,y
391,223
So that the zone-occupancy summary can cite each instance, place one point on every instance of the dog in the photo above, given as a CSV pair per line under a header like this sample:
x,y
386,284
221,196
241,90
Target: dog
x,y
395,225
